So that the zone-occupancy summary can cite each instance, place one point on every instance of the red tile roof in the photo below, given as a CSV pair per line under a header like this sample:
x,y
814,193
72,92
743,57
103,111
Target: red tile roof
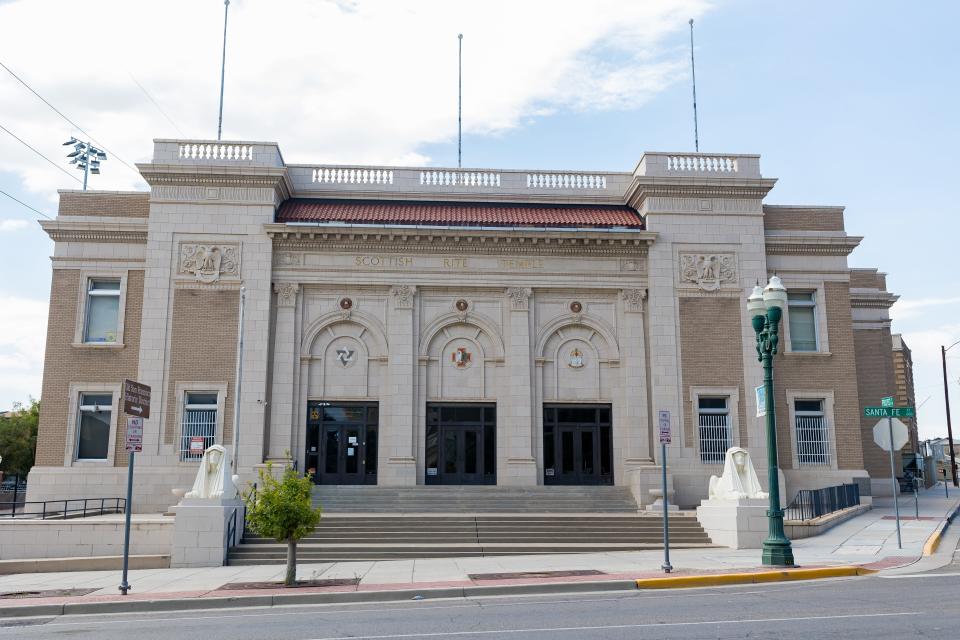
x,y
458,213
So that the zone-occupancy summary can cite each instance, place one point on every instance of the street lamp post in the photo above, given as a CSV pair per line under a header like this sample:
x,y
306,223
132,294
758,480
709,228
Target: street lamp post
x,y
766,308
946,399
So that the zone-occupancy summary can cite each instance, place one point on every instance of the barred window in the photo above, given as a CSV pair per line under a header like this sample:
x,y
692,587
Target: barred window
x,y
199,424
714,429
813,437
802,314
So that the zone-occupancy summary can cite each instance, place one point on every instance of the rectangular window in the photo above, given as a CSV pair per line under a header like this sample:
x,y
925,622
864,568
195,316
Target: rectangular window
x,y
813,438
714,429
93,426
802,314
199,424
103,311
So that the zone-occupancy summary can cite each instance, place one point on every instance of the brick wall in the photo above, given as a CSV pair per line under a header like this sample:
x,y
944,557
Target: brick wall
x,y
203,348
104,203
64,363
711,354
905,397
875,379
818,372
867,279
802,218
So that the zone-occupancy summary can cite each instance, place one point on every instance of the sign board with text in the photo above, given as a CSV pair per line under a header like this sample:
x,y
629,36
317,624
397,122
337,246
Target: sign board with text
x,y
886,402
889,412
664,421
197,445
136,399
134,439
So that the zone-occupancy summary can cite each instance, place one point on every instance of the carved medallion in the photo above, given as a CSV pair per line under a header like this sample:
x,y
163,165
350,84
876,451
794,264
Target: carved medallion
x,y
461,358
708,270
345,356
461,305
576,307
346,304
209,262
575,361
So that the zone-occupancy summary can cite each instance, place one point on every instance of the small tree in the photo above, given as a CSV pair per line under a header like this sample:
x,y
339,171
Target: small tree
x,y
18,438
283,510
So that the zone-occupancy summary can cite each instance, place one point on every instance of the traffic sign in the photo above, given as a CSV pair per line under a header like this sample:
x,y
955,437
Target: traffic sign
x,y
886,402
134,439
889,412
881,434
136,399
664,419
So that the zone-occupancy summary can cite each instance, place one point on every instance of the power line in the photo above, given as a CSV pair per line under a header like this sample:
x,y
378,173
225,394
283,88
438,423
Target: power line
x,y
72,123
18,139
26,205
156,104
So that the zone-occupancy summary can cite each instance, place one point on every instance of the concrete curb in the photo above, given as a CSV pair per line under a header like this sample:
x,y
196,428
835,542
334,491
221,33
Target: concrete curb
x,y
751,577
930,546
341,597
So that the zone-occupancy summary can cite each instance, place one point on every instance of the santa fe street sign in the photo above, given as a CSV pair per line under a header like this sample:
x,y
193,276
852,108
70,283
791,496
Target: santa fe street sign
x,y
889,412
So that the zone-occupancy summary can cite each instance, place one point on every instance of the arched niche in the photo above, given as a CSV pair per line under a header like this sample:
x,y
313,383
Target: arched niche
x,y
575,357
344,357
460,356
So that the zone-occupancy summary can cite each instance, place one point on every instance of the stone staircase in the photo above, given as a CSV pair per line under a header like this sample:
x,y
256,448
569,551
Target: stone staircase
x,y
390,523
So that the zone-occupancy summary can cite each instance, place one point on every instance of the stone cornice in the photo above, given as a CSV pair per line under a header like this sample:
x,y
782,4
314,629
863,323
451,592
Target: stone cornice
x,y
86,231
218,176
781,245
872,299
461,241
683,187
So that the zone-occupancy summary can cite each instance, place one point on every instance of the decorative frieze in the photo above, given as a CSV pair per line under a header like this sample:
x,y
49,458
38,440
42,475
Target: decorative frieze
x,y
287,259
403,296
209,263
519,298
708,271
633,299
286,293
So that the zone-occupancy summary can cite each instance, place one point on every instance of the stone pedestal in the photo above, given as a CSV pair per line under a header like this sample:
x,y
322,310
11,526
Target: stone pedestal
x,y
656,506
200,531
738,524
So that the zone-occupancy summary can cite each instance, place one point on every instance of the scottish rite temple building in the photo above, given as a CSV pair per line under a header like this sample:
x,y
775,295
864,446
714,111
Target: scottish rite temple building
x,y
419,326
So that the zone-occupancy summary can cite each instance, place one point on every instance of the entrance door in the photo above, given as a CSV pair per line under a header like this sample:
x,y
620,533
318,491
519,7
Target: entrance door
x,y
342,443
577,444
461,444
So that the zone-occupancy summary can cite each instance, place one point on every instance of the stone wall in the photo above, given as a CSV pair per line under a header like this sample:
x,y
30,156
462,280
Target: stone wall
x,y
84,538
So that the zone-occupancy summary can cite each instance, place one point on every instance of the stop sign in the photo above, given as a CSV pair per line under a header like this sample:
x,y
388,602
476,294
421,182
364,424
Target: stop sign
x,y
881,434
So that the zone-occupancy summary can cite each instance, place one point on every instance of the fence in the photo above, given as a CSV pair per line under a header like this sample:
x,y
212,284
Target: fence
x,y
813,503
63,509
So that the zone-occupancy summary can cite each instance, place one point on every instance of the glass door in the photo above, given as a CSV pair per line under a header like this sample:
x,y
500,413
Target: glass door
x,y
342,443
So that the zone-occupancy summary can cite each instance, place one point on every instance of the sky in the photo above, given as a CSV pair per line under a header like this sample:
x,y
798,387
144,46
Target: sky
x,y
848,103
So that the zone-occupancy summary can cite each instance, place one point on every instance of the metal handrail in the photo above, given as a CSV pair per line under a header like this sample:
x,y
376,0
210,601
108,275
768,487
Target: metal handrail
x,y
48,508
230,538
813,503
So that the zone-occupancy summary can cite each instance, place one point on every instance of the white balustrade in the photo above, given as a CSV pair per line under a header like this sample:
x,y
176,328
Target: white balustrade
x,y
215,151
702,164
565,181
460,178
352,175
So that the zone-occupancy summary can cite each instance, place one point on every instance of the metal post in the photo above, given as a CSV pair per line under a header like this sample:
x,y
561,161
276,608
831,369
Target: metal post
x,y
239,377
16,491
693,73
86,169
667,567
946,400
124,585
223,66
459,100
916,499
893,483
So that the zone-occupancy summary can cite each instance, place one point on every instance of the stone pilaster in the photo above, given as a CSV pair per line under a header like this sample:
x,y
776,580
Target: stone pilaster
x,y
397,420
516,415
281,445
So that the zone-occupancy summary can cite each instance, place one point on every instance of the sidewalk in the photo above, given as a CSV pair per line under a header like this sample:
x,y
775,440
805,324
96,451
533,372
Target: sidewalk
x,y
868,540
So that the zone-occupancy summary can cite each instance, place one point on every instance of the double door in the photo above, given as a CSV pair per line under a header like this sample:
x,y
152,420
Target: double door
x,y
342,443
577,445
461,444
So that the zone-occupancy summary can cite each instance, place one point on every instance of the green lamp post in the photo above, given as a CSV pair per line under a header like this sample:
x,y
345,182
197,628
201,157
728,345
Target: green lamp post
x,y
766,308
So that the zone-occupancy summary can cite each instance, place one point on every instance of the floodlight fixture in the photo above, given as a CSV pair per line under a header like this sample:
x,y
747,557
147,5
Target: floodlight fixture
x,y
86,157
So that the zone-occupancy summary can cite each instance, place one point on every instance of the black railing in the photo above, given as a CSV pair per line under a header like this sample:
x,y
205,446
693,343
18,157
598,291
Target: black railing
x,y
813,503
63,509
231,534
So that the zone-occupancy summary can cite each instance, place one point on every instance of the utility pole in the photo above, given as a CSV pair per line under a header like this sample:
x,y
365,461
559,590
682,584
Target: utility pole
x,y
946,399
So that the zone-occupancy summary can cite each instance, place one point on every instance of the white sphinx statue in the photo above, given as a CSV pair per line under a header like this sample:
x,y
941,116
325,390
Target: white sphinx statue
x,y
214,480
739,479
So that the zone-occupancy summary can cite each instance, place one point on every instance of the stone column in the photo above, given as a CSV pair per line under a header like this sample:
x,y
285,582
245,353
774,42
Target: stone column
x,y
397,428
515,419
282,414
636,439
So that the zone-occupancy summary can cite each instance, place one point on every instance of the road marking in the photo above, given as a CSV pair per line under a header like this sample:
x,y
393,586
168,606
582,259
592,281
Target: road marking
x,y
922,575
648,625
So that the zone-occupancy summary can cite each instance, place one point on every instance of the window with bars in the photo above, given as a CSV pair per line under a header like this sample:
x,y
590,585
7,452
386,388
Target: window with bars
x,y
813,437
199,428
802,315
713,420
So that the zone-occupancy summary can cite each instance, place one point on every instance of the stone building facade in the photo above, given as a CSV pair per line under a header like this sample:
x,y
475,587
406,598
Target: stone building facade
x,y
410,326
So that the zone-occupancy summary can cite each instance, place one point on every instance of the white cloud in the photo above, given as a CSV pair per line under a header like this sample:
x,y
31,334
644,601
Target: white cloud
x,y
906,308
13,225
23,329
345,81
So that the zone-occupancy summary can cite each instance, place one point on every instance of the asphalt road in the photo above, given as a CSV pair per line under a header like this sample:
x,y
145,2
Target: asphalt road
x,y
871,607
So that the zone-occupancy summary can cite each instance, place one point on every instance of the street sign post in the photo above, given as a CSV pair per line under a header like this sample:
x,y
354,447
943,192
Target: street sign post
x,y
666,437
891,439
136,404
